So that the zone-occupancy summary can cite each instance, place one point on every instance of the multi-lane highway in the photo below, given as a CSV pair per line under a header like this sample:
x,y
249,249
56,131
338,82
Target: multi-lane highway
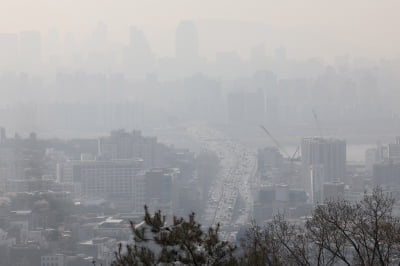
x,y
235,178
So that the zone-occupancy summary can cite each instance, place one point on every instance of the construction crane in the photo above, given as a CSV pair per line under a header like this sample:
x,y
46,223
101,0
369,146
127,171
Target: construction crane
x,y
275,141
294,154
291,158
291,169
317,122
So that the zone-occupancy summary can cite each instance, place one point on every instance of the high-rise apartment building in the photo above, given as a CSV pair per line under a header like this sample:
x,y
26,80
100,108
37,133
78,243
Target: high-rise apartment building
x,y
330,153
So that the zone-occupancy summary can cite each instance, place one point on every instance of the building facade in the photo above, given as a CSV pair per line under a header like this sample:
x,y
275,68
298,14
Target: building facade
x,y
330,153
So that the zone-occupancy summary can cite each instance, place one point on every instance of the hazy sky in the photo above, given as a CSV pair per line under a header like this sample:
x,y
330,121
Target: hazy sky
x,y
324,27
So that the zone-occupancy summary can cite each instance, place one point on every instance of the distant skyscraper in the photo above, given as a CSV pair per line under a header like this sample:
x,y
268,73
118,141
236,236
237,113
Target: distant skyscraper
x,y
138,41
30,49
330,153
8,51
187,41
139,59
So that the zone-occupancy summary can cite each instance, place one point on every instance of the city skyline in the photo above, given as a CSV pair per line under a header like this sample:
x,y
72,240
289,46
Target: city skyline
x,y
313,25
274,126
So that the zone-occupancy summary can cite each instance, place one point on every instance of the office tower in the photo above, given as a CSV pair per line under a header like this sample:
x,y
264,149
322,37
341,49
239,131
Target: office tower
x,y
394,150
317,181
8,51
138,41
30,49
119,181
124,145
139,60
330,153
187,41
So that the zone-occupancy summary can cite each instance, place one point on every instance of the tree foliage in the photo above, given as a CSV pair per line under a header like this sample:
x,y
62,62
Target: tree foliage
x,y
365,233
337,233
182,243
